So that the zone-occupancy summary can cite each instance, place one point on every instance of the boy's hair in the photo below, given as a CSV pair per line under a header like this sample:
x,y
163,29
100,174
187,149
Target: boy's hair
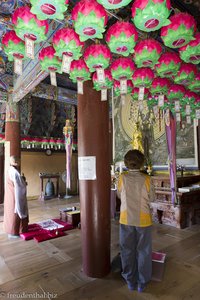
x,y
134,159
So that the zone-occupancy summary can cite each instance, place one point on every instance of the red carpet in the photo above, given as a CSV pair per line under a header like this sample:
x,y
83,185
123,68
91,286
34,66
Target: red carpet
x,y
40,234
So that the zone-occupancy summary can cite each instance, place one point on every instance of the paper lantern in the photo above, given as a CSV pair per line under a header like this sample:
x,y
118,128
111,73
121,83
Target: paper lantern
x,y
189,98
121,38
66,41
135,94
117,89
147,53
90,19
186,74
122,68
176,92
191,52
97,56
195,85
180,32
113,4
168,65
143,77
28,25
106,85
160,86
79,71
152,101
49,9
150,15
13,46
48,60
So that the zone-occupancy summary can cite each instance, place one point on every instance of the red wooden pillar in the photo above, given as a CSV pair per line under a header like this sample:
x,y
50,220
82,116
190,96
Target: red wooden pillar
x,y
93,140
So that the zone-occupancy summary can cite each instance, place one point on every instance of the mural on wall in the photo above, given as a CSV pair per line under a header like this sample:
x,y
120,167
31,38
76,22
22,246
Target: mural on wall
x,y
127,115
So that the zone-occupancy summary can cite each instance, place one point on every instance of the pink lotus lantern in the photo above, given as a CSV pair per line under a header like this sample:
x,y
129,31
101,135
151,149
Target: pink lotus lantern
x,y
186,74
117,87
66,42
48,60
27,25
147,53
136,91
160,86
79,73
113,4
121,38
105,85
180,32
122,68
191,52
150,15
97,56
90,19
195,85
49,9
13,46
189,98
168,64
176,92
143,77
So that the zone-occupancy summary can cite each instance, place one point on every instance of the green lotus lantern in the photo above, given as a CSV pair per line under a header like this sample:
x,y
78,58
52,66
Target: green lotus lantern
x,y
186,74
168,65
191,52
147,53
97,56
113,4
49,9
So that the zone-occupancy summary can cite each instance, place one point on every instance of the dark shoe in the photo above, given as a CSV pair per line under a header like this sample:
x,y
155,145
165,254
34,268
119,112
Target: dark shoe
x,y
131,287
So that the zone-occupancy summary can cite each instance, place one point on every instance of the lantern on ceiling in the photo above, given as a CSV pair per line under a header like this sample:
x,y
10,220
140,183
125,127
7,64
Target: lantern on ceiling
x,y
147,53
79,73
176,91
195,84
97,56
90,19
191,52
29,28
135,94
49,9
186,74
117,87
189,98
121,38
160,86
150,15
143,77
168,64
103,86
50,62
67,44
180,32
113,4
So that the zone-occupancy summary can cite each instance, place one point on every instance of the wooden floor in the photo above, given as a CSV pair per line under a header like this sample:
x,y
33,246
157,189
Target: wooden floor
x,y
53,270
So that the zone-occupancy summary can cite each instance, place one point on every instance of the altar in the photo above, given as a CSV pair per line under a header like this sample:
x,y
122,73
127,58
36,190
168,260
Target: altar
x,y
186,211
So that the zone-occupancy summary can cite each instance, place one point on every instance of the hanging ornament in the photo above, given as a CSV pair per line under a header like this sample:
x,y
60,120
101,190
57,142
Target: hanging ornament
x,y
168,64
121,38
135,94
90,19
13,46
106,85
189,98
195,85
113,4
50,63
97,56
147,53
176,92
79,73
150,15
180,32
66,41
191,52
122,68
29,28
117,87
186,74
160,86
49,9
143,77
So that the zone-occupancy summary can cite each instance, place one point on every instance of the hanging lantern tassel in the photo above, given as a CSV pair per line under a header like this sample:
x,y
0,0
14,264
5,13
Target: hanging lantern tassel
x,y
53,78
188,119
160,100
103,94
18,66
100,75
66,63
123,86
197,112
29,48
178,117
167,117
187,110
141,93
177,105
80,87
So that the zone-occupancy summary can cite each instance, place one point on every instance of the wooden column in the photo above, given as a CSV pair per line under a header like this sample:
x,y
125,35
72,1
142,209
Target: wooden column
x,y
93,140
2,173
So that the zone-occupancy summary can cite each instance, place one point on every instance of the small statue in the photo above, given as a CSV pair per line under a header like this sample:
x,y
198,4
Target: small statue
x,y
137,138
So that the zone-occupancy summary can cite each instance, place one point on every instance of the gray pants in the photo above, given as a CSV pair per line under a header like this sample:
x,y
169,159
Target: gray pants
x,y
136,254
